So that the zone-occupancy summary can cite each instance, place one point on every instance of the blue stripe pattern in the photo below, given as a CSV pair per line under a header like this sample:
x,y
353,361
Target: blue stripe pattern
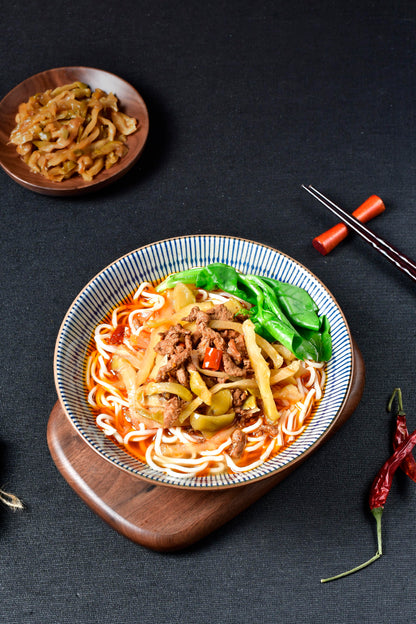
x,y
152,263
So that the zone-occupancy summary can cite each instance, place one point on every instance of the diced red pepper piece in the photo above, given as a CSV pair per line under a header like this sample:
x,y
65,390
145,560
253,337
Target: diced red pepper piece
x,y
117,336
212,358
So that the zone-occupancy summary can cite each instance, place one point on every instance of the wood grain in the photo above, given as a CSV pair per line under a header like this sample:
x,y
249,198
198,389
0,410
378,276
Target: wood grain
x,y
160,517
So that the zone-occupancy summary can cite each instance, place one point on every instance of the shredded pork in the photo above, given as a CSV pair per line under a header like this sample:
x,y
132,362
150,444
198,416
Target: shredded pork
x,y
183,349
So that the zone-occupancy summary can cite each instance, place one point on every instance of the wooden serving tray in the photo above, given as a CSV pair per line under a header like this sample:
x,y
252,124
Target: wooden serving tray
x,y
160,517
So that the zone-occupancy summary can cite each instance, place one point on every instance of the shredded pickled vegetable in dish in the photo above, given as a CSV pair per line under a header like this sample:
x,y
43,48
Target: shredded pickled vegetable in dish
x,y
181,381
71,130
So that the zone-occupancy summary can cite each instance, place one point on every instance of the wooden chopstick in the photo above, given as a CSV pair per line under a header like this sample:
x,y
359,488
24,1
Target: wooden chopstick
x,y
392,254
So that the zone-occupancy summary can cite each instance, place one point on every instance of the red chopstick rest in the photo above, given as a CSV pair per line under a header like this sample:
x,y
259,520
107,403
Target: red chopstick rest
x,y
327,241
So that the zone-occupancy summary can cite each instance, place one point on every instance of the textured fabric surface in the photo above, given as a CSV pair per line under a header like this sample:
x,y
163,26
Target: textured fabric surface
x,y
247,101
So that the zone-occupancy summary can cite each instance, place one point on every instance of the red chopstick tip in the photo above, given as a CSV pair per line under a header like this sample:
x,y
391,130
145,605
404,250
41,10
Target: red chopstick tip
x,y
328,240
319,246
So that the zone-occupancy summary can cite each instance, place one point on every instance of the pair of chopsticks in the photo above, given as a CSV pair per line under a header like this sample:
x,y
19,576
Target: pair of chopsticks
x,y
392,254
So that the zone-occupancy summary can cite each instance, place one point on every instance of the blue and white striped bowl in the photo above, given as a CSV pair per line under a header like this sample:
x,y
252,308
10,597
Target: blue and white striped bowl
x,y
152,263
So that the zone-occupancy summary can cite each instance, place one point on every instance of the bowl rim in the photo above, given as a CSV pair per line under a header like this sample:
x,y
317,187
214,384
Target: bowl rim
x,y
79,186
288,466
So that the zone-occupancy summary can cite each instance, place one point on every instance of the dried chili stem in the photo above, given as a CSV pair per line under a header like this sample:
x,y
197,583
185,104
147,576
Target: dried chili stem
x,y
397,392
11,500
378,494
377,513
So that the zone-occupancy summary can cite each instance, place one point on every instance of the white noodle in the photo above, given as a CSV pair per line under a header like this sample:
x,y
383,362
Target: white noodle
x,y
107,428
260,461
158,440
117,401
254,447
306,405
312,376
91,395
140,289
218,451
254,426
137,436
93,375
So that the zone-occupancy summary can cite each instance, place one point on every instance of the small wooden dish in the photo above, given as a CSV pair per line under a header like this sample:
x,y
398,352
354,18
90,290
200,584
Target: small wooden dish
x,y
130,103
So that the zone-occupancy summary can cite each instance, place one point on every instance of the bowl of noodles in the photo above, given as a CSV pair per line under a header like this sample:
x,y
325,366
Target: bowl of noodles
x,y
204,362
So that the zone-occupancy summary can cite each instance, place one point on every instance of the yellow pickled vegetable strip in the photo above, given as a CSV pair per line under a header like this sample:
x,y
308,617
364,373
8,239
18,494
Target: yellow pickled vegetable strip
x,y
221,402
71,87
156,367
206,422
270,351
288,393
147,416
199,387
285,373
250,403
182,296
226,325
261,372
62,123
287,355
233,305
149,358
244,384
189,409
124,124
170,387
128,377
210,373
126,354
126,371
179,316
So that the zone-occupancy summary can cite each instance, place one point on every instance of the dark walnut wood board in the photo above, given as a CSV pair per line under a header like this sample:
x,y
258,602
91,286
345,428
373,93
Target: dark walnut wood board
x,y
160,517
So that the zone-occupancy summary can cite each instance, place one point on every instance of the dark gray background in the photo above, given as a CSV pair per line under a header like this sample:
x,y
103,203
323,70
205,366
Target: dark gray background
x,y
247,101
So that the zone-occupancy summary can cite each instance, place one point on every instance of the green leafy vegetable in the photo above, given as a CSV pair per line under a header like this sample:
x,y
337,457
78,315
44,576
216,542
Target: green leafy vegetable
x,y
296,302
280,312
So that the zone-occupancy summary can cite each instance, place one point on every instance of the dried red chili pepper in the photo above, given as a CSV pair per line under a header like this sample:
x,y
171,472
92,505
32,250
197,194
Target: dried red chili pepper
x,y
212,358
382,483
378,495
408,465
